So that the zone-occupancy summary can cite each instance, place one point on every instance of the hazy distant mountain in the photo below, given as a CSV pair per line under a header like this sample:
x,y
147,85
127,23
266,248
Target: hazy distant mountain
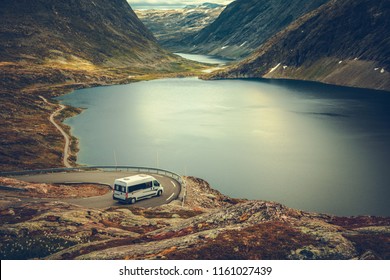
x,y
99,32
171,27
205,5
345,42
245,24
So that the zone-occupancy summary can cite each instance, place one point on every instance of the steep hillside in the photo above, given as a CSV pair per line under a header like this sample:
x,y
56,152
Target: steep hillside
x,y
170,27
93,32
343,42
245,24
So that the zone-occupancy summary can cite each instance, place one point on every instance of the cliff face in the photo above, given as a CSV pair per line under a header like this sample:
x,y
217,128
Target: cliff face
x,y
245,24
342,42
209,226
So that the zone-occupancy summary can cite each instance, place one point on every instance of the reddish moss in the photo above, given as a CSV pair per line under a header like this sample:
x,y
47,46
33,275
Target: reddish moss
x,y
17,215
379,244
358,222
173,234
272,240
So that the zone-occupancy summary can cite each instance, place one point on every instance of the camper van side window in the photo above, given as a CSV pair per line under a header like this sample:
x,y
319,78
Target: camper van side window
x,y
148,185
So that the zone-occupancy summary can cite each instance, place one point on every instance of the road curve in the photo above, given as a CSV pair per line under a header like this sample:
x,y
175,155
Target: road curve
x,y
59,128
171,187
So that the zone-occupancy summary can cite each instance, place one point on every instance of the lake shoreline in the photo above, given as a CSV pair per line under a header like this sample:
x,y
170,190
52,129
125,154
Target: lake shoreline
x,y
20,93
327,118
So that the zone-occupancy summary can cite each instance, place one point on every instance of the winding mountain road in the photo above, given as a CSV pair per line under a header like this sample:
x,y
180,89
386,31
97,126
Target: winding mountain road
x,y
59,128
172,187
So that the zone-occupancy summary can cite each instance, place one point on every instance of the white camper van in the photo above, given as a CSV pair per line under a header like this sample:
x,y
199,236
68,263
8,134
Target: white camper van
x,y
133,188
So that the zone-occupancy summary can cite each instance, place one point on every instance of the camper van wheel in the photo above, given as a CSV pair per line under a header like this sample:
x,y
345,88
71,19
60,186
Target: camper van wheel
x,y
159,193
132,200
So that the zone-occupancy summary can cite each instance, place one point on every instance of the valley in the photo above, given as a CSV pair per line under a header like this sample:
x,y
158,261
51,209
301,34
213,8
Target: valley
x,y
262,116
173,28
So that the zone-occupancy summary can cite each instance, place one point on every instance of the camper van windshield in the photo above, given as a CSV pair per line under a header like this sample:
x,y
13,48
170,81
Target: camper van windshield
x,y
120,188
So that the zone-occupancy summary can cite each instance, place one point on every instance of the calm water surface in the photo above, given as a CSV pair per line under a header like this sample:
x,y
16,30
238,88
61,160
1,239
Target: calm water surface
x,y
310,146
205,58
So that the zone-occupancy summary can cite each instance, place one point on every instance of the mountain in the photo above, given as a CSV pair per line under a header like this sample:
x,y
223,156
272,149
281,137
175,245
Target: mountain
x,y
105,33
170,27
205,5
245,24
345,42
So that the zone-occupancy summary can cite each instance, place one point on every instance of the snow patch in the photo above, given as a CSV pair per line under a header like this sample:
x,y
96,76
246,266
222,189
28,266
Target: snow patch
x,y
382,70
284,66
273,69
376,69
224,47
243,43
340,61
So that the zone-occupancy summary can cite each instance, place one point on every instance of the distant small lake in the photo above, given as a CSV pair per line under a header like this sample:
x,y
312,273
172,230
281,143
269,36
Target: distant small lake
x,y
205,58
310,146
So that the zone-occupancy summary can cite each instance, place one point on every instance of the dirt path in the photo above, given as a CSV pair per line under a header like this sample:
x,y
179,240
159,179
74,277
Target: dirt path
x,y
66,136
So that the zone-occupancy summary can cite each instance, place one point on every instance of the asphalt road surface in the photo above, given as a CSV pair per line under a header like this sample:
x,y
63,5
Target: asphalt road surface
x,y
171,187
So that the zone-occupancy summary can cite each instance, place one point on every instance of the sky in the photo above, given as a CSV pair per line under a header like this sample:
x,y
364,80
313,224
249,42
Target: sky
x,y
145,3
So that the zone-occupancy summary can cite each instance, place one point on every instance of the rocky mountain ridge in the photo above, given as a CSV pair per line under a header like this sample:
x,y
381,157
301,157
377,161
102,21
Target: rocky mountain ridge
x,y
342,42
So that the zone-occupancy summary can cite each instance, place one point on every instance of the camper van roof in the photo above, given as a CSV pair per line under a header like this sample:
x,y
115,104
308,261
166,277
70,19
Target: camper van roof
x,y
135,178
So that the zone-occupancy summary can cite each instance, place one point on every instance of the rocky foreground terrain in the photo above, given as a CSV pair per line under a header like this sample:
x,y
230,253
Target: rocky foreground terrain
x,y
208,226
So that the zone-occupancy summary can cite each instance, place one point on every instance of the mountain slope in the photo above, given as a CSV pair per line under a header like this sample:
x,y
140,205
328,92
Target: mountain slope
x,y
98,32
343,42
245,24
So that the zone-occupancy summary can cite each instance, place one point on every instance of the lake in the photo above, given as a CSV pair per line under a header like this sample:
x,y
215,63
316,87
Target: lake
x,y
307,145
205,58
